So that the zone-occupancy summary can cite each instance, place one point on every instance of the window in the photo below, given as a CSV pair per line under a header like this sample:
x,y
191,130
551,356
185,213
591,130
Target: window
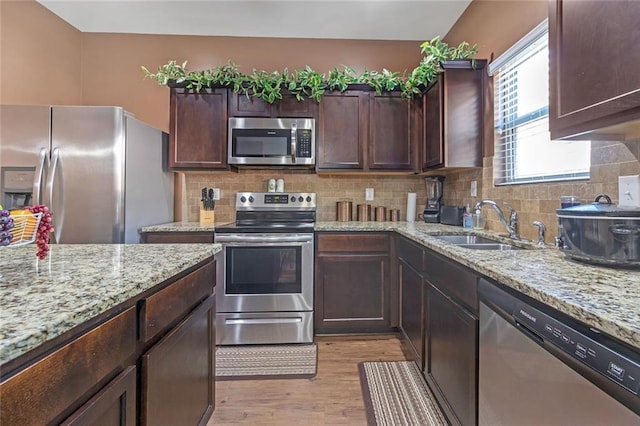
x,y
524,152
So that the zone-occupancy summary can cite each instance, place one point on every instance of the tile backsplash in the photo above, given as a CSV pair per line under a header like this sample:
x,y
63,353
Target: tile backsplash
x,y
389,191
540,201
532,201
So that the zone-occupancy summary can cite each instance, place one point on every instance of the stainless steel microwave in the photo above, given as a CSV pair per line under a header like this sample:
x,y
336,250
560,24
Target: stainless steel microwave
x,y
272,141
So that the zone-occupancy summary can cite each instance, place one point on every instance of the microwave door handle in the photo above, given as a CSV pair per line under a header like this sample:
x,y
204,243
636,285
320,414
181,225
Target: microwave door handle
x,y
293,143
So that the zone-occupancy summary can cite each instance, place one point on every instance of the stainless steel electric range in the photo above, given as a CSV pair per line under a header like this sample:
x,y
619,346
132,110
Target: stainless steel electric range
x,y
266,270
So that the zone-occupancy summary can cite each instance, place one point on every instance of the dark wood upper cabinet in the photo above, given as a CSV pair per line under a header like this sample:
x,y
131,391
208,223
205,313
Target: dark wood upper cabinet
x,y
342,130
360,130
198,128
290,106
394,130
593,64
453,117
241,105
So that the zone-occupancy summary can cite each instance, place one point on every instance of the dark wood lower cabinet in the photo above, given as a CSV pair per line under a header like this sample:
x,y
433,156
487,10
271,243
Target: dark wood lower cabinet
x,y
412,305
352,284
149,361
177,237
113,405
178,372
49,390
452,362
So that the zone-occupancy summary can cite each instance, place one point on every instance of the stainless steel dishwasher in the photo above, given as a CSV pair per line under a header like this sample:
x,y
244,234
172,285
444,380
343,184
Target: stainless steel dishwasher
x,y
539,367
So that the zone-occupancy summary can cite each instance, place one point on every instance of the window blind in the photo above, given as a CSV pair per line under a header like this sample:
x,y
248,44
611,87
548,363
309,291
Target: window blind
x,y
524,152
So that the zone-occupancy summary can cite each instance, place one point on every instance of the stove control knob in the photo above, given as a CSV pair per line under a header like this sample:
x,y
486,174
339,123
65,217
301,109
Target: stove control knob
x,y
251,199
300,199
293,199
308,198
243,199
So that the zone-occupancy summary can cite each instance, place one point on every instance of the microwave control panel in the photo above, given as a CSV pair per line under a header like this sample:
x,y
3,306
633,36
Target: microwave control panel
x,y
303,147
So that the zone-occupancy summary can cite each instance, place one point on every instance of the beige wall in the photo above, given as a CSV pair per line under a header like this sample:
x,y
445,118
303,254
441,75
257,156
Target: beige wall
x,y
40,56
495,26
112,75
46,61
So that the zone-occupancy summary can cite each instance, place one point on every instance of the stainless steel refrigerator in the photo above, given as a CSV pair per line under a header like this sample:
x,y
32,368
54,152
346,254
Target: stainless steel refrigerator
x,y
99,170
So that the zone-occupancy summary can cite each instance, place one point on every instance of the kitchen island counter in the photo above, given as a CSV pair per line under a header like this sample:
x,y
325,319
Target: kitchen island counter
x,y
42,299
601,297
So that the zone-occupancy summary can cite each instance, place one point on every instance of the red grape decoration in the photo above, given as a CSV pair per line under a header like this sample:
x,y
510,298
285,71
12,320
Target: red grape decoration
x,y
44,229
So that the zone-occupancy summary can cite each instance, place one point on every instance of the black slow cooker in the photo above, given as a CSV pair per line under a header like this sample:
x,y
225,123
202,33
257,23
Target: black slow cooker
x,y
601,233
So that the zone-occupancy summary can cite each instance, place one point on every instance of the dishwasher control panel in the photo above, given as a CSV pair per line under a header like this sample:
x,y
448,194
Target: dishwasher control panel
x,y
620,369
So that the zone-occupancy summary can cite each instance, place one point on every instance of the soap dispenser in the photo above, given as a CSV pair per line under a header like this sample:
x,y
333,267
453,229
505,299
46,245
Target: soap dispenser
x,y
478,220
467,218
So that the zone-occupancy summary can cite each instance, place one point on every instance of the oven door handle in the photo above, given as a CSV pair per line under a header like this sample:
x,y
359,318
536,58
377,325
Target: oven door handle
x,y
253,239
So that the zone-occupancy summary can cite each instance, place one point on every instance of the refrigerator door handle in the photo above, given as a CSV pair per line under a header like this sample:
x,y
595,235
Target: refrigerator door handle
x,y
57,213
39,176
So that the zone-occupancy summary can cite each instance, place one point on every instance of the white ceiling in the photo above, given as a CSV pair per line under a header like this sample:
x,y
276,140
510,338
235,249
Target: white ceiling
x,y
346,19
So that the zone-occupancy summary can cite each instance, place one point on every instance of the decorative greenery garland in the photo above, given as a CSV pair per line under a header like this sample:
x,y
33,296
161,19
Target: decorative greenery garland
x,y
307,83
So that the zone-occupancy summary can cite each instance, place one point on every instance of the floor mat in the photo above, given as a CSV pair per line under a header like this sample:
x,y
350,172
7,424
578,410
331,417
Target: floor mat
x,y
395,393
266,361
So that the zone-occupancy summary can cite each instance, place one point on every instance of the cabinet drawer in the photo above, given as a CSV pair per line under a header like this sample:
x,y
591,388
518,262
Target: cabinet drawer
x,y
171,303
454,280
353,242
411,253
178,237
115,404
42,392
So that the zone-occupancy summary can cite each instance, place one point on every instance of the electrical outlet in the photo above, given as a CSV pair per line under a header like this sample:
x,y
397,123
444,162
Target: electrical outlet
x,y
474,188
216,194
368,194
629,191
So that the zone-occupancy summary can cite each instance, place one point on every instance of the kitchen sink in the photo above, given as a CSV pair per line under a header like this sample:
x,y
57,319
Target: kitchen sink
x,y
466,239
490,246
476,242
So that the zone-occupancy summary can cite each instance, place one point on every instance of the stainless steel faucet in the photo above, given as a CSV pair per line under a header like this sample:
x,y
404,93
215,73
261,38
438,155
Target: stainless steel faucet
x,y
541,232
512,225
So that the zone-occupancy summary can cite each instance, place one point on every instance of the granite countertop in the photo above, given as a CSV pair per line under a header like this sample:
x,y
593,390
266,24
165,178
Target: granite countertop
x,y
605,298
41,299
180,227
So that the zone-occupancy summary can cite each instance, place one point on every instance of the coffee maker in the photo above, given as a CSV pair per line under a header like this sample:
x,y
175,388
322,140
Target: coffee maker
x,y
431,213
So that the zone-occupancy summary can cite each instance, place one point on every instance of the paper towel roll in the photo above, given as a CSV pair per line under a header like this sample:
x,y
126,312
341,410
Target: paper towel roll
x,y
411,207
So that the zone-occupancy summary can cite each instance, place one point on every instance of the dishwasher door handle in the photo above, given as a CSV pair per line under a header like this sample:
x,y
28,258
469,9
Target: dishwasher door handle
x,y
526,330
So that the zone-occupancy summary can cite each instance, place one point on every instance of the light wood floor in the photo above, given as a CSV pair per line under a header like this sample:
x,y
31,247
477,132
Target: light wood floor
x,y
333,397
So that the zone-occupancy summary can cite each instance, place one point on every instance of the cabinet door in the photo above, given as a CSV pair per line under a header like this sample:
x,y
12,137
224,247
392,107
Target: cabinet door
x,y
114,405
241,105
390,141
178,372
451,364
342,130
198,127
433,152
352,293
411,310
593,64
290,106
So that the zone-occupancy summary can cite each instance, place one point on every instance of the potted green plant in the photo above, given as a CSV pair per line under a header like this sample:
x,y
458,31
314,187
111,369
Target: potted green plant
x,y
310,84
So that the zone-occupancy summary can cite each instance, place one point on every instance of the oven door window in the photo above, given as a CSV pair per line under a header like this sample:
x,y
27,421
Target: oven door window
x,y
263,270
261,143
